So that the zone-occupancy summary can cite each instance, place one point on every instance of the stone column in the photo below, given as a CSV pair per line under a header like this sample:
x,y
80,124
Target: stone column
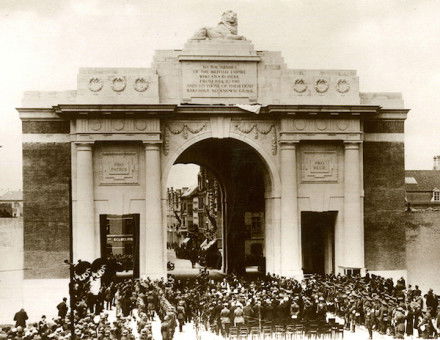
x,y
290,233
86,247
353,224
268,235
276,235
155,266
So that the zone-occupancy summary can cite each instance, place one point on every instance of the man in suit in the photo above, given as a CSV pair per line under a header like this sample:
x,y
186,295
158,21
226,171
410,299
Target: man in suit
x,y
20,318
62,308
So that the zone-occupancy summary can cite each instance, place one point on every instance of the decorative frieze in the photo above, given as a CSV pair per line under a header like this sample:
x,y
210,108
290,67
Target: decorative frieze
x,y
184,129
117,125
321,125
259,128
119,83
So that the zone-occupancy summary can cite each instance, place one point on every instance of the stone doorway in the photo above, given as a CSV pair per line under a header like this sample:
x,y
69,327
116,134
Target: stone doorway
x,y
243,181
318,241
119,236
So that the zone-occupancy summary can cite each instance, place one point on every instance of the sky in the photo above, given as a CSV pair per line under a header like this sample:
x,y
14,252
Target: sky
x,y
393,45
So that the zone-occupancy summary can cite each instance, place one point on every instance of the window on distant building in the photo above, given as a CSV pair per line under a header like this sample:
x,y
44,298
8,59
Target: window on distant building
x,y
435,195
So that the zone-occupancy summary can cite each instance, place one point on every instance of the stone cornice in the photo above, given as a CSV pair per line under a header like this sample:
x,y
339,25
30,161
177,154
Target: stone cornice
x,y
70,111
32,114
94,109
355,110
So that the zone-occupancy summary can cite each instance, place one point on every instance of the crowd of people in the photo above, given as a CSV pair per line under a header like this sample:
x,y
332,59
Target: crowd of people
x,y
232,302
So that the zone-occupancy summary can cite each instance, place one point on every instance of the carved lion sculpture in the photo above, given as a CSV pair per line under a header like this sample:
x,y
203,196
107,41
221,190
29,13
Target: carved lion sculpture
x,y
226,29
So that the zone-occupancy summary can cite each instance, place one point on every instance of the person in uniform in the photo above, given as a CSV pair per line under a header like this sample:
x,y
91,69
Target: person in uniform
x,y
181,314
409,318
248,312
294,309
225,318
399,323
383,318
369,320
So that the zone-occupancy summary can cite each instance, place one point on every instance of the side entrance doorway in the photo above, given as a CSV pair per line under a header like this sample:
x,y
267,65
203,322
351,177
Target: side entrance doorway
x,y
318,241
120,241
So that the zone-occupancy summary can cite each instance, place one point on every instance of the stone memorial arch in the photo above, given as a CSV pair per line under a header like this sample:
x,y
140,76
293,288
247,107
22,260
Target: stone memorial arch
x,y
331,157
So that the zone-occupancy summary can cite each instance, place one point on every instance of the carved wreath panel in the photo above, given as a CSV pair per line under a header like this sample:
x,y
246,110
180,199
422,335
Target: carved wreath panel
x,y
119,83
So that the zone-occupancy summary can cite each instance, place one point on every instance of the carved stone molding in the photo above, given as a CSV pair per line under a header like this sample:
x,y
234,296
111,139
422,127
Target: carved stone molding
x,y
259,128
184,129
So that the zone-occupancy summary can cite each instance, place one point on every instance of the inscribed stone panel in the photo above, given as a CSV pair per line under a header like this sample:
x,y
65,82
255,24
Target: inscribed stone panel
x,y
319,166
203,79
120,168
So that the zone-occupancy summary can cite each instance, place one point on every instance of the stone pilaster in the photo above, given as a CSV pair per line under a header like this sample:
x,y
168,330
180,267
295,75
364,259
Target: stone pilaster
x,y
155,263
290,241
353,223
85,235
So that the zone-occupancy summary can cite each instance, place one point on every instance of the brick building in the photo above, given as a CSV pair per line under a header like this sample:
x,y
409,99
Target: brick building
x,y
11,204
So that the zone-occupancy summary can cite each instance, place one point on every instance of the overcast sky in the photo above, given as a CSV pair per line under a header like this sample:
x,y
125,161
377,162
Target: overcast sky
x,y
394,46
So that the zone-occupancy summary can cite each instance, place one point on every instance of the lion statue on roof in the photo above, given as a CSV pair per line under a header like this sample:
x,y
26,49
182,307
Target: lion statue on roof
x,y
226,29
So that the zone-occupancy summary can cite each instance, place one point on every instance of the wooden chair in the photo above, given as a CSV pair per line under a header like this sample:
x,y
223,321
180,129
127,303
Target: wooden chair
x,y
267,332
339,332
311,331
280,332
299,331
255,333
290,332
243,333
233,333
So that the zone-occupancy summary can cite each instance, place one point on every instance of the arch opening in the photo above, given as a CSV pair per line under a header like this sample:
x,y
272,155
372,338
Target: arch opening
x,y
237,183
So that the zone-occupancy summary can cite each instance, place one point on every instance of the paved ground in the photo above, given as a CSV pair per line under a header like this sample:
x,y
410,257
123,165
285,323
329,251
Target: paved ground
x,y
189,332
184,268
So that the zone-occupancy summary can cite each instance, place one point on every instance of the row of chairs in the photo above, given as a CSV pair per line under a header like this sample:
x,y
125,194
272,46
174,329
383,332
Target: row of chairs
x,y
288,332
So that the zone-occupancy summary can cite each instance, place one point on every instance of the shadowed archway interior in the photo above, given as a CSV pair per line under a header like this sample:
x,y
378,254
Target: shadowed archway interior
x,y
243,179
